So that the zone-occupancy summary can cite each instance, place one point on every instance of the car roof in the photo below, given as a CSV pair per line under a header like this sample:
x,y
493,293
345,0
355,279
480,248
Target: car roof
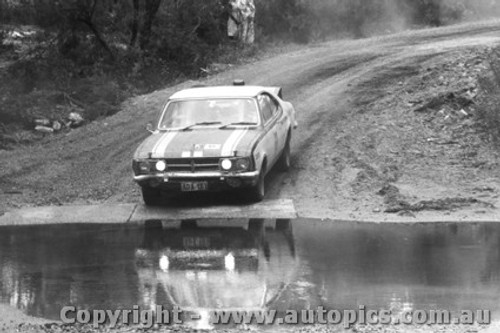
x,y
219,91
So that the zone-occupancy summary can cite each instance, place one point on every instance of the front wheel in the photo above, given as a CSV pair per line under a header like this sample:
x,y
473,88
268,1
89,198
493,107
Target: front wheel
x,y
258,191
151,196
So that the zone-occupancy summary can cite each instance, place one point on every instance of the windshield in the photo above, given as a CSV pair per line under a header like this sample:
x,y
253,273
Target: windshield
x,y
206,112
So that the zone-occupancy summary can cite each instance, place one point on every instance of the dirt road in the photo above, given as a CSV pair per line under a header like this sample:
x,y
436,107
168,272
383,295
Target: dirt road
x,y
357,131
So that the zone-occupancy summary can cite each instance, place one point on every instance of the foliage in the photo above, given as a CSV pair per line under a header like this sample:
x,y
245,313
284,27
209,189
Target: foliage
x,y
189,33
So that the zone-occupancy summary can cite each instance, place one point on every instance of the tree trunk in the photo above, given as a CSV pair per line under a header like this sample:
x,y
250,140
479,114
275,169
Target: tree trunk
x,y
151,8
88,20
134,29
98,36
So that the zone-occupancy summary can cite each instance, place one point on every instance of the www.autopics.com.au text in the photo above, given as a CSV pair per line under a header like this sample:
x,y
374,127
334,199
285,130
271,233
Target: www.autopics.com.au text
x,y
347,318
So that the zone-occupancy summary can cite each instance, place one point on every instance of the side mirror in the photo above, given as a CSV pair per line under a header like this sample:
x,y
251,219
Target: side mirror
x,y
149,128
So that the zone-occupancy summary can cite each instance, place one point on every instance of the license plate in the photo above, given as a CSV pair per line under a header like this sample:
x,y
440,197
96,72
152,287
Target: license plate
x,y
194,186
196,242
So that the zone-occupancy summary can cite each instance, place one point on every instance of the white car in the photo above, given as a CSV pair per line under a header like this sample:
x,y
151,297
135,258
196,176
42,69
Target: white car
x,y
216,138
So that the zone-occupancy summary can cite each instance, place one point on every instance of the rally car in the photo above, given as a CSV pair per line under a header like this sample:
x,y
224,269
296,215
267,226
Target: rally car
x,y
216,138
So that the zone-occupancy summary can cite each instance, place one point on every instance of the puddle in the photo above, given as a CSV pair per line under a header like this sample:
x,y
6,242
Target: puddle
x,y
250,264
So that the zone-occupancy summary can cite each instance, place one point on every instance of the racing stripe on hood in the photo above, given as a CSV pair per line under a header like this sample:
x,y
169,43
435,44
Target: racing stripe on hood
x,y
162,144
233,141
247,142
207,143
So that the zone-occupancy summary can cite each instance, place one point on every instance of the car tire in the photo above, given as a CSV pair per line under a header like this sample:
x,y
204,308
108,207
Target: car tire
x,y
151,196
258,191
284,160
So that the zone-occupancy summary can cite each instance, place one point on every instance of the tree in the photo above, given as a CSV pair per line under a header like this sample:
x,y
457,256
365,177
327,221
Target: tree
x,y
134,27
151,8
84,12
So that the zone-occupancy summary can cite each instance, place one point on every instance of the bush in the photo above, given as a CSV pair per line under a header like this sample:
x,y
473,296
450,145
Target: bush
x,y
189,34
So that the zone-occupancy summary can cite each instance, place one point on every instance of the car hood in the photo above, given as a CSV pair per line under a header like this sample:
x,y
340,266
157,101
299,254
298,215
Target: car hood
x,y
199,143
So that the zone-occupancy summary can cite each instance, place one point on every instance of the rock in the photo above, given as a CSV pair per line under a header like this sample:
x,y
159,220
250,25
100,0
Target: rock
x,y
56,126
395,206
388,189
406,213
16,34
218,67
44,129
484,188
463,113
42,122
75,118
467,98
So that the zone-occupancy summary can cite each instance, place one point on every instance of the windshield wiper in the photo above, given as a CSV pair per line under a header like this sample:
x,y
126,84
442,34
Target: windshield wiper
x,y
205,123
239,123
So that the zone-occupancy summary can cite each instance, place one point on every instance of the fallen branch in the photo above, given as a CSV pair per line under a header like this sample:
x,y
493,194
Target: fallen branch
x,y
75,101
438,204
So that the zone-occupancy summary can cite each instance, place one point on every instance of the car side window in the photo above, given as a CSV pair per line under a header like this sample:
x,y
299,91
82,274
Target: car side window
x,y
266,107
275,106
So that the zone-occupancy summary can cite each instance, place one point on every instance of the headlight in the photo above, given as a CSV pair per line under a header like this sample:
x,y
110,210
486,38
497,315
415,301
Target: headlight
x,y
226,164
164,263
144,166
242,164
235,164
141,167
161,166
229,262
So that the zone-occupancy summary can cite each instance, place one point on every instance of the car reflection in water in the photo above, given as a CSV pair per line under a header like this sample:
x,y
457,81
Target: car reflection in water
x,y
201,266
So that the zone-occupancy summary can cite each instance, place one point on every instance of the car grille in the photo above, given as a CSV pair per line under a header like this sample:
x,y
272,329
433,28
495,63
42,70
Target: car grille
x,y
193,164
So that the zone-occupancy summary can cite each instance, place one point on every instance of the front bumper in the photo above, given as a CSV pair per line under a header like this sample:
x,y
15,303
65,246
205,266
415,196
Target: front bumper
x,y
216,180
197,175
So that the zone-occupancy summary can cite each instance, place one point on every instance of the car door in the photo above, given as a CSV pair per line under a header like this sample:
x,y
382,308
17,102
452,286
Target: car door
x,y
270,140
281,124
